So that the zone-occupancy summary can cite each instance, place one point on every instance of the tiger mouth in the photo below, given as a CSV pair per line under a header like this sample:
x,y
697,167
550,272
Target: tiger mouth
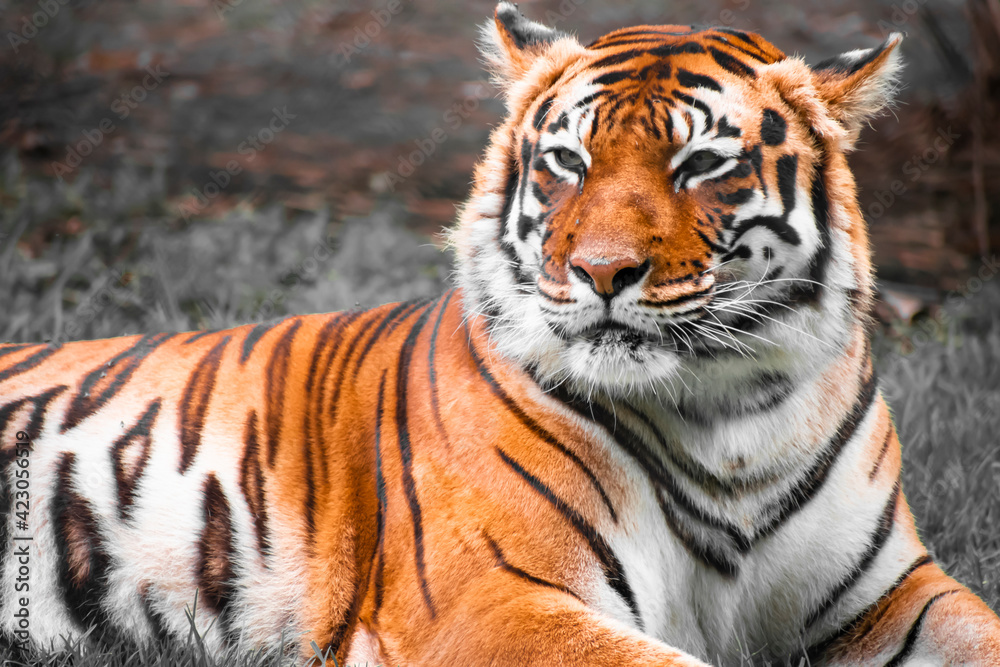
x,y
616,333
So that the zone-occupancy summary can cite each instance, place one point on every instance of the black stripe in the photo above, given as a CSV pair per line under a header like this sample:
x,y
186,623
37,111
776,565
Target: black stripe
x,y
614,573
216,577
810,292
40,406
527,155
773,387
759,55
252,483
345,358
198,335
543,111
727,130
381,495
736,198
510,188
539,195
552,298
715,247
668,50
787,170
650,121
525,223
83,562
253,336
914,633
97,388
699,105
848,629
312,428
432,369
539,431
816,477
756,157
584,101
718,561
694,470
406,453
157,621
883,528
128,471
661,478
684,298
397,314
745,37
331,335
611,78
23,442
881,453
504,564
276,377
9,348
731,64
616,59
692,80
612,43
772,128
742,169
312,417
849,66
632,32
194,403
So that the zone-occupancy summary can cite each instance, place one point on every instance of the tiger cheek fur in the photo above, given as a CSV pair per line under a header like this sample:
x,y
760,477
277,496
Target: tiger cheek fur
x,y
645,428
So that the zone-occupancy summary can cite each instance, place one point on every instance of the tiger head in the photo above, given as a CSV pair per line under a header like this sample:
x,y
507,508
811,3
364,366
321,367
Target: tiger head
x,y
667,197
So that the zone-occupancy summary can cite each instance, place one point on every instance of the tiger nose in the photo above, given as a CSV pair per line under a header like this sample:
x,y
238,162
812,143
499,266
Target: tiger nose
x,y
608,277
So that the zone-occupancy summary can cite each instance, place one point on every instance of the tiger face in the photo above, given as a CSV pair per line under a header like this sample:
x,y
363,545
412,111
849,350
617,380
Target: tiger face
x,y
663,202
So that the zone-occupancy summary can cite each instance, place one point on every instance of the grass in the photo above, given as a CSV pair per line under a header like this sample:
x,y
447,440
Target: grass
x,y
90,260
944,391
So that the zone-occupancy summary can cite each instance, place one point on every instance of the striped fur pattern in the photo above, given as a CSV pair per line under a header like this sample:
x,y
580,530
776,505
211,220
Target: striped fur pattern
x,y
644,429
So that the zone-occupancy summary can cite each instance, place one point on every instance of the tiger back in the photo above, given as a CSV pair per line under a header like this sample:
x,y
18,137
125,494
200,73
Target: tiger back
x,y
644,428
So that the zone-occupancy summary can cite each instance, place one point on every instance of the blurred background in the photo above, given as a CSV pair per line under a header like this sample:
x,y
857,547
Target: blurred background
x,y
167,166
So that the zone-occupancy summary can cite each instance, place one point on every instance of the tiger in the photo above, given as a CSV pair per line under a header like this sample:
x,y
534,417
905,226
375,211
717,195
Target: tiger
x,y
643,428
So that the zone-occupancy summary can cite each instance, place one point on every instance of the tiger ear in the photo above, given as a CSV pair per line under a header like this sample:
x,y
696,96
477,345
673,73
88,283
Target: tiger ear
x,y
511,43
858,84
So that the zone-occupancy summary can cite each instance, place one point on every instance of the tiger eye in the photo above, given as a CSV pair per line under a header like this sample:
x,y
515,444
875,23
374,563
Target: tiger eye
x,y
703,161
568,159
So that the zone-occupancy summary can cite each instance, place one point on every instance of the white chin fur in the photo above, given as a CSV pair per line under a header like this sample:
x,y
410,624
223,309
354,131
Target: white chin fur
x,y
613,369
620,371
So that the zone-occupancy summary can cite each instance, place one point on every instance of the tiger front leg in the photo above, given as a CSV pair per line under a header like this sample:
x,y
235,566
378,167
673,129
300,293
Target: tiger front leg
x,y
928,618
506,620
